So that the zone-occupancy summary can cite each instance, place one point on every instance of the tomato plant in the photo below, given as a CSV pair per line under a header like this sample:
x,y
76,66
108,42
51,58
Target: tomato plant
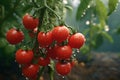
x,y
49,43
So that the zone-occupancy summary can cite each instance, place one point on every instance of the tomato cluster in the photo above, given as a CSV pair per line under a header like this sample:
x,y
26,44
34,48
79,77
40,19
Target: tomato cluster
x,y
54,45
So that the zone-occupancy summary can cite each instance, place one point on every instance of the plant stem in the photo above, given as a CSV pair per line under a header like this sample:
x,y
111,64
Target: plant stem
x,y
40,72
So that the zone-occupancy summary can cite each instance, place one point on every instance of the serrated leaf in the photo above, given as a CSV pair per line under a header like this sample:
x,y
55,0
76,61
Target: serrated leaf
x,y
112,6
83,6
101,11
107,36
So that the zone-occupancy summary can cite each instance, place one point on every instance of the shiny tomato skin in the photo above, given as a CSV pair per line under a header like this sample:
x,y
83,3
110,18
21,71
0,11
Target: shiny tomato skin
x,y
45,39
63,68
64,52
60,33
24,56
30,70
43,61
14,36
29,22
76,40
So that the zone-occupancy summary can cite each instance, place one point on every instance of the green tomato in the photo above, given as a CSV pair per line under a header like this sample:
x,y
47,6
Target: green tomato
x,y
3,42
9,49
3,31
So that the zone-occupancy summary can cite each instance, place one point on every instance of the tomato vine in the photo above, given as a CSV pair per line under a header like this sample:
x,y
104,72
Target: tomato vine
x,y
52,41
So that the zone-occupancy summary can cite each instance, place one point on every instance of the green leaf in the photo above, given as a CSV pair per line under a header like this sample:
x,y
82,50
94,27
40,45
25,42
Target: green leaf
x,y
101,12
112,6
98,41
107,36
83,6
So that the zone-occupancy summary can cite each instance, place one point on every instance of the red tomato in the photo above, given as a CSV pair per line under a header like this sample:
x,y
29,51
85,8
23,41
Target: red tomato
x,y
24,56
51,53
63,68
14,36
77,40
30,70
43,61
64,52
29,22
45,39
60,33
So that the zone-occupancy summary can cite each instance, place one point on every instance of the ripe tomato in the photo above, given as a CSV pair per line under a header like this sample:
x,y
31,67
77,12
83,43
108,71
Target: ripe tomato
x,y
24,56
29,22
64,52
51,53
63,68
43,61
30,70
45,39
77,40
14,36
60,33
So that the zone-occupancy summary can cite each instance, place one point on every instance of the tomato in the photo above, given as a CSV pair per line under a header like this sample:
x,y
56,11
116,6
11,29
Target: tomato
x,y
51,53
43,61
77,40
24,56
63,68
3,42
64,52
9,49
60,33
29,22
45,39
14,36
30,70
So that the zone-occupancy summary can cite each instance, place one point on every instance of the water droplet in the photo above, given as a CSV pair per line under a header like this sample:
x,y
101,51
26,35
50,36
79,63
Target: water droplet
x,y
26,78
87,22
19,66
88,6
107,28
65,2
63,76
78,50
84,13
74,55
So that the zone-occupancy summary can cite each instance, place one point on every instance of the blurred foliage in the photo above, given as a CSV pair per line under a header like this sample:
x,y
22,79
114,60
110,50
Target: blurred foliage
x,y
98,29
